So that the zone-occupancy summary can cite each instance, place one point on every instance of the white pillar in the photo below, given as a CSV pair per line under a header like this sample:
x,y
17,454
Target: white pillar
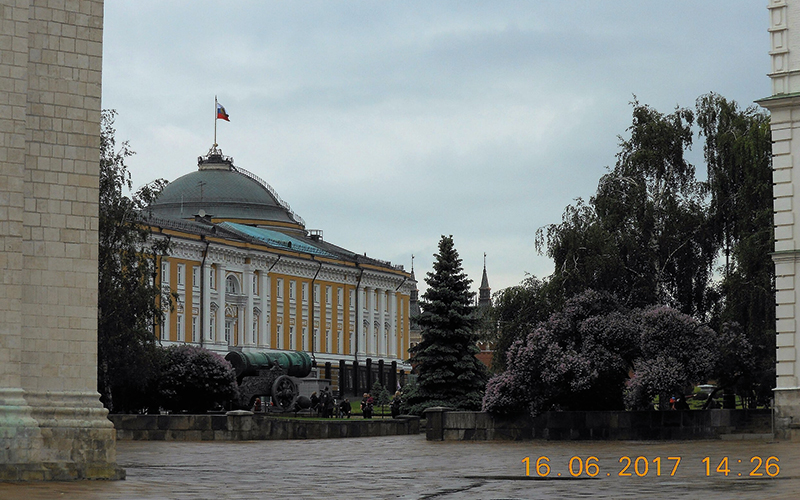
x,y
370,303
361,348
246,333
205,320
784,107
381,333
266,308
393,323
221,310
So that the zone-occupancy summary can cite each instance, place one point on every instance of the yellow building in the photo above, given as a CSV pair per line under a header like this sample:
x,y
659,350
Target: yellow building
x,y
249,276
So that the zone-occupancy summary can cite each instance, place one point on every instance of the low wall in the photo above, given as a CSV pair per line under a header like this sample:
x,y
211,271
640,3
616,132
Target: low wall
x,y
246,426
445,424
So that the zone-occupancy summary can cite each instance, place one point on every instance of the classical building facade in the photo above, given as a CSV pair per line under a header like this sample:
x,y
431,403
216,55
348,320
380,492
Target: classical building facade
x,y
248,275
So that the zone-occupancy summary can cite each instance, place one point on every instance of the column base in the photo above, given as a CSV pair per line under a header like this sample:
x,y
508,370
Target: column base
x,y
57,436
787,413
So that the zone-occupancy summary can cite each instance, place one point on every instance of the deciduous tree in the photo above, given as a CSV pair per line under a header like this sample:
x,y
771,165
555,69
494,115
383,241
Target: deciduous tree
x,y
129,300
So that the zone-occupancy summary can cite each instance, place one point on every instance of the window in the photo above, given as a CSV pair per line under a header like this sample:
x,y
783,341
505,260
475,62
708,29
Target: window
x,y
352,299
255,285
195,277
180,328
328,297
255,329
228,329
339,294
316,294
328,341
211,281
194,328
231,285
164,272
211,324
181,270
305,292
279,288
305,340
291,337
291,289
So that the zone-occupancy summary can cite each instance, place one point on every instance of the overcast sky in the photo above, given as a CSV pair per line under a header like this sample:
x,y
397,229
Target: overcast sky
x,y
389,124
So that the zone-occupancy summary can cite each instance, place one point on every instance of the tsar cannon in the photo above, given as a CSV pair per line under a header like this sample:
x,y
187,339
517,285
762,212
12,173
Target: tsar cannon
x,y
269,374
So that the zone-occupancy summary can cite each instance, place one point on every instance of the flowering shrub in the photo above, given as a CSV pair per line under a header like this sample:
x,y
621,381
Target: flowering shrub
x,y
577,359
195,380
597,355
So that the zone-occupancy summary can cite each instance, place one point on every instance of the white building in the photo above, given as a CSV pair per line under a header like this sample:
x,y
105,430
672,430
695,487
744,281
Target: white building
x,y
249,276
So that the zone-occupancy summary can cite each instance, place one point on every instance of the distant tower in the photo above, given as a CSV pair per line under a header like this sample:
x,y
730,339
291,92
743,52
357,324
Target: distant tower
x,y
415,332
484,292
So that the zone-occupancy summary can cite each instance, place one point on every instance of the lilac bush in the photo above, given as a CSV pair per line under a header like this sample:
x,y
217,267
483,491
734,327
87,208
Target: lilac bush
x,y
194,379
597,355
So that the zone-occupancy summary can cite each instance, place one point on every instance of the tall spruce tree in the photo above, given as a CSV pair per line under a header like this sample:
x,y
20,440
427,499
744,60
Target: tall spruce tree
x,y
449,372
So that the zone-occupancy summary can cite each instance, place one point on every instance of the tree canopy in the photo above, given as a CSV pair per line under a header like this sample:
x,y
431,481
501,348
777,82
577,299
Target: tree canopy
x,y
129,300
654,235
449,374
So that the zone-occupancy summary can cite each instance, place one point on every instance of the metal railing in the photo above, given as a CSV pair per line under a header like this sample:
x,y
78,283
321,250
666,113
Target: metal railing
x,y
271,191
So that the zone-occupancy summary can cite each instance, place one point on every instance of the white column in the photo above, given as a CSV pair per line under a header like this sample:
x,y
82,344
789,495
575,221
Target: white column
x,y
393,323
205,322
266,308
246,339
221,311
361,348
381,333
370,303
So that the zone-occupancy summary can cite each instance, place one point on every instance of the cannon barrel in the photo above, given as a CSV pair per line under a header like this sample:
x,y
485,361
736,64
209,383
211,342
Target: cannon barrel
x,y
294,363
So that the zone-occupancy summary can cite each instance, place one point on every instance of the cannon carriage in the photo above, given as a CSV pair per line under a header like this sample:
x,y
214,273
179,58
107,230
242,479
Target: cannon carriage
x,y
269,374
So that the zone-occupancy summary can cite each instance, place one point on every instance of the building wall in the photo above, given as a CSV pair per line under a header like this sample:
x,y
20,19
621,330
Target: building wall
x,y
50,124
292,297
784,106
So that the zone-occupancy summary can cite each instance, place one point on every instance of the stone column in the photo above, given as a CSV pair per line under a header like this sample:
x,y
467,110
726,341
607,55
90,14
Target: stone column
x,y
52,425
392,350
246,339
221,309
361,347
381,333
784,106
266,309
206,319
370,330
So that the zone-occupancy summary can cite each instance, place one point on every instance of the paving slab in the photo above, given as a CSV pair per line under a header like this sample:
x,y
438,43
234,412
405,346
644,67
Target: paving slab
x,y
409,467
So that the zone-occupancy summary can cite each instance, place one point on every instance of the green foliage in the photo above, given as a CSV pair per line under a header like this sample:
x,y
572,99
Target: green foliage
x,y
652,234
129,300
449,372
380,394
194,379
738,152
515,311
642,235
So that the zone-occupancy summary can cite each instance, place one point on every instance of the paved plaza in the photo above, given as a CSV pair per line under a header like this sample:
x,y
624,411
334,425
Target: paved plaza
x,y
409,467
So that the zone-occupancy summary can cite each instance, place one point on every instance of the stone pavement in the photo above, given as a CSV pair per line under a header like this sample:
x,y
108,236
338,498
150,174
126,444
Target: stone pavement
x,y
409,467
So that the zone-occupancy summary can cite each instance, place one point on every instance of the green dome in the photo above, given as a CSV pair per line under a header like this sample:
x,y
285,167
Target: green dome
x,y
223,192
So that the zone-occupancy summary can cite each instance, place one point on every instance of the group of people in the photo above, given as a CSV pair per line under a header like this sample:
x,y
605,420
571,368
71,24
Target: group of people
x,y
324,404
368,404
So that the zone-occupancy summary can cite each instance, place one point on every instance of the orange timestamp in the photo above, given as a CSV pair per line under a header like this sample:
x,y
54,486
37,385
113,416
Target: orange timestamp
x,y
643,466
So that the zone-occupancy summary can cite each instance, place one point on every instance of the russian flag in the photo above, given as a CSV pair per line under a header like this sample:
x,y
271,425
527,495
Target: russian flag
x,y
221,114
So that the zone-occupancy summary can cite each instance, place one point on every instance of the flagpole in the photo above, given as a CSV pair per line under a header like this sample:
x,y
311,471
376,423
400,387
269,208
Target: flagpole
x,y
215,121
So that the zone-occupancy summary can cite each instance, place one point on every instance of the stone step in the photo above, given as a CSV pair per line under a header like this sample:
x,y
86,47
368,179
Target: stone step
x,y
748,436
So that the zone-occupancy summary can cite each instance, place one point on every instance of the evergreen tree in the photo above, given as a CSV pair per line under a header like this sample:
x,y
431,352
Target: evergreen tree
x,y
449,372
129,297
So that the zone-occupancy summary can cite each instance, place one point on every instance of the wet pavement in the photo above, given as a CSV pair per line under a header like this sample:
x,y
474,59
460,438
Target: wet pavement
x,y
409,467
